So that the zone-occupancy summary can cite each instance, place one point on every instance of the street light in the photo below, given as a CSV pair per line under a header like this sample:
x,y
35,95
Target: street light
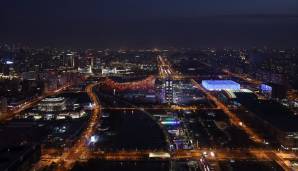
x,y
212,154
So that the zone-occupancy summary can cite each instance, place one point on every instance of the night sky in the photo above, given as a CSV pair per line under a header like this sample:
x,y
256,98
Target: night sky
x,y
150,23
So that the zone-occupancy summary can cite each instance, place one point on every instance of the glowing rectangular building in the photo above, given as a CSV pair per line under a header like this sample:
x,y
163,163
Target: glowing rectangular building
x,y
266,88
218,85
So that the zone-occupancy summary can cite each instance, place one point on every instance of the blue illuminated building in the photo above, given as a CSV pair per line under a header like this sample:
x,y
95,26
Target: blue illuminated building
x,y
266,88
9,62
170,122
218,85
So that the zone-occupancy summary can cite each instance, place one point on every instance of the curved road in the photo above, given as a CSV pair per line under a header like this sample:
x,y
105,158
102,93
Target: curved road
x,y
79,151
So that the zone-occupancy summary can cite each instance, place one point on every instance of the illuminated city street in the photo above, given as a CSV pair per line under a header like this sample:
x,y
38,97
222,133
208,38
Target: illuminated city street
x,y
79,150
112,95
149,85
31,103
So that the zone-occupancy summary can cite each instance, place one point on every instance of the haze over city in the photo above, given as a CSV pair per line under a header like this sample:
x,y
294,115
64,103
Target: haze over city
x,y
143,24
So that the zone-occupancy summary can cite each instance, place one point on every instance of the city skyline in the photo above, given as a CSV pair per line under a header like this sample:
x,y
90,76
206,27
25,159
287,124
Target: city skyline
x,y
202,109
156,85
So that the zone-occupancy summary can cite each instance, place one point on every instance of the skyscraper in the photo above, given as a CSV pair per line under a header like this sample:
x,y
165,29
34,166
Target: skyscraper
x,y
168,91
69,61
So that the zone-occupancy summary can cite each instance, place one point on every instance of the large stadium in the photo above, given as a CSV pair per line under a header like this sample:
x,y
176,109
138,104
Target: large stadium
x,y
218,85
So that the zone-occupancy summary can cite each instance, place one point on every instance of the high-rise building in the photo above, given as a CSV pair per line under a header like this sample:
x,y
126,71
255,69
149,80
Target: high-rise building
x,y
3,105
92,62
7,68
97,63
69,61
168,91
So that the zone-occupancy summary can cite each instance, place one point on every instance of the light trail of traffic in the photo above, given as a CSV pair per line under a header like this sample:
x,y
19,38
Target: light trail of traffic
x,y
174,107
221,154
80,149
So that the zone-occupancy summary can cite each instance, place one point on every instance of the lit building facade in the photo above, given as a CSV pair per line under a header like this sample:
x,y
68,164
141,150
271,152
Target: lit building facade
x,y
55,108
167,91
52,104
218,85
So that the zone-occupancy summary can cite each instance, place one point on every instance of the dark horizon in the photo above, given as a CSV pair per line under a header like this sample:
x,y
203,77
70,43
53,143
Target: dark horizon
x,y
134,24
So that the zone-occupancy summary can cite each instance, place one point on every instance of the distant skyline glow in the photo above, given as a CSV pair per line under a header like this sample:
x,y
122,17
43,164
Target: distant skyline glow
x,y
151,23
